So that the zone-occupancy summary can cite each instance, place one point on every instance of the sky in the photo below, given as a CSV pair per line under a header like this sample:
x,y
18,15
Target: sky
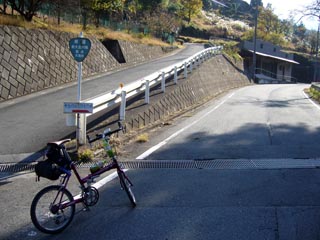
x,y
282,9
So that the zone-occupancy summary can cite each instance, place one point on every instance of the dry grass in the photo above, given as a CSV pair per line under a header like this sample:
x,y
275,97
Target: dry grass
x,y
142,138
85,155
14,21
100,33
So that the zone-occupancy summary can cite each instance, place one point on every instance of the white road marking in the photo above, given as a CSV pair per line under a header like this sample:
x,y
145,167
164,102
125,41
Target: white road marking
x,y
103,181
310,100
159,145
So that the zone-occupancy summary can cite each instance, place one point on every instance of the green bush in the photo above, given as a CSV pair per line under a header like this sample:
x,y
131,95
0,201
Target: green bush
x,y
315,94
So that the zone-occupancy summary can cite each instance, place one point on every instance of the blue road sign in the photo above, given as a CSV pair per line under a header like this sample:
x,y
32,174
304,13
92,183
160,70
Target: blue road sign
x,y
79,48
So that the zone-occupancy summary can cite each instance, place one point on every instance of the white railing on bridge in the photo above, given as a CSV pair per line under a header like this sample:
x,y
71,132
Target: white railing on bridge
x,y
120,95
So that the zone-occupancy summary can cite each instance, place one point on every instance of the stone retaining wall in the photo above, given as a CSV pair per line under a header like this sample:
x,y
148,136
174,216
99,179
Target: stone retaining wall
x,y
33,60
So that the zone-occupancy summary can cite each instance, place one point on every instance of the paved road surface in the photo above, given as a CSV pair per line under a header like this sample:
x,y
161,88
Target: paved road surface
x,y
28,123
262,121
234,202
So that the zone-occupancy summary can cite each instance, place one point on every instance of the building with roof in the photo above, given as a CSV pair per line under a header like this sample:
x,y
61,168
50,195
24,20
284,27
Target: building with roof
x,y
272,64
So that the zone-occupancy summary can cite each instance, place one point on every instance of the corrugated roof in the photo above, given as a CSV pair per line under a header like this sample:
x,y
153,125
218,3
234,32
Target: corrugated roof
x,y
275,57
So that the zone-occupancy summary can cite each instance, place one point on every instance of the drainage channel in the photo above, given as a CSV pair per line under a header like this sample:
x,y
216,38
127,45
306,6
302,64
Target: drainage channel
x,y
191,164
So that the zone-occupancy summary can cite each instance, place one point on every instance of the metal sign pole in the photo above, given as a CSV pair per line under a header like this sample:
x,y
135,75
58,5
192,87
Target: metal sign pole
x,y
255,43
80,48
79,99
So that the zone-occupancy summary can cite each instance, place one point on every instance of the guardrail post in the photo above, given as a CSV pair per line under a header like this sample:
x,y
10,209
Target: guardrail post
x,y
175,79
185,70
163,82
123,106
147,93
191,63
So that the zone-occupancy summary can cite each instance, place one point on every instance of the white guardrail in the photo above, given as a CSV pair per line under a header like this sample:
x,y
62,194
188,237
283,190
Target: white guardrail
x,y
120,95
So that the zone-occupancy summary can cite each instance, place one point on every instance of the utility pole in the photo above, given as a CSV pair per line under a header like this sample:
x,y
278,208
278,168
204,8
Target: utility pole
x,y
255,43
316,65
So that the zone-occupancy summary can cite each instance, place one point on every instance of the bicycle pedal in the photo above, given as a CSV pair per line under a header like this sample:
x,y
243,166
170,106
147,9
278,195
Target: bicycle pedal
x,y
86,209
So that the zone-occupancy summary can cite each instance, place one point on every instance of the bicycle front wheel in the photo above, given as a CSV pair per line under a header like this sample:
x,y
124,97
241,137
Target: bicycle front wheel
x,y
50,209
126,185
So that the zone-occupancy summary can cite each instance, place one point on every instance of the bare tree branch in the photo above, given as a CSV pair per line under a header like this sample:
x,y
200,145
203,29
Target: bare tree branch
x,y
312,10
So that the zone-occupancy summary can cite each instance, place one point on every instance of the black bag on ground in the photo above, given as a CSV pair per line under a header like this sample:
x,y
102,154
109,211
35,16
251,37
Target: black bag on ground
x,y
47,169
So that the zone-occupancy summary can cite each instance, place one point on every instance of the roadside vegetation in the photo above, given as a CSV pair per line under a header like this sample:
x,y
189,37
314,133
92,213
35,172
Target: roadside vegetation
x,y
314,94
142,138
161,22
100,32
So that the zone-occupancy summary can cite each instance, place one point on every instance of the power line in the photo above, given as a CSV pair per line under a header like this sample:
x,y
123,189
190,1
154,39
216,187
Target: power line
x,y
220,3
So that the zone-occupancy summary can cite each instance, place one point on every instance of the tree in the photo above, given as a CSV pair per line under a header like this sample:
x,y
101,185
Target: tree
x,y
107,7
207,5
311,10
4,9
311,39
300,30
268,21
255,3
27,9
85,7
149,4
131,8
174,7
286,27
190,8
269,27
60,6
160,22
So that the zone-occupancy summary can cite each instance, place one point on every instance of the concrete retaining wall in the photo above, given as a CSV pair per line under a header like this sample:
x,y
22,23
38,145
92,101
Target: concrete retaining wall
x,y
33,60
215,76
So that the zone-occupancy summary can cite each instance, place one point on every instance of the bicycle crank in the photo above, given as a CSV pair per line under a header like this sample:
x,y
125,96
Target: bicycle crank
x,y
90,196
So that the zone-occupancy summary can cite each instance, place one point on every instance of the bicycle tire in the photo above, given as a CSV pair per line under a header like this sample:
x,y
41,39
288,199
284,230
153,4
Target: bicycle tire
x,y
126,185
43,215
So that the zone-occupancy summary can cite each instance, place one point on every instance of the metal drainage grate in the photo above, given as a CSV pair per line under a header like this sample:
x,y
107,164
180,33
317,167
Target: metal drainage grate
x,y
154,164
16,167
191,164
223,164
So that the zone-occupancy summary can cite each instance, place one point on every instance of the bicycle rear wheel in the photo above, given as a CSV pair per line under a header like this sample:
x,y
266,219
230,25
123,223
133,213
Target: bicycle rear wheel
x,y
126,185
47,211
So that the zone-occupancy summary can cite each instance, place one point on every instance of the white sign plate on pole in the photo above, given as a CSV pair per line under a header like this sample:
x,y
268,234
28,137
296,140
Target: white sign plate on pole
x,y
75,107
71,120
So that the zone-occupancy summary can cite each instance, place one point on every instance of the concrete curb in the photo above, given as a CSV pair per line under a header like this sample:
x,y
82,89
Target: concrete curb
x,y
20,158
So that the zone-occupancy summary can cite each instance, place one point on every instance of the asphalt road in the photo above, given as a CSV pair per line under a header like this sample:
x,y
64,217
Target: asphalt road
x,y
278,202
261,121
28,123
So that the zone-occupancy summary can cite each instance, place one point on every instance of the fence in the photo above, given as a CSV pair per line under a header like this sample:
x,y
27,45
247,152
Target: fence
x,y
273,77
122,94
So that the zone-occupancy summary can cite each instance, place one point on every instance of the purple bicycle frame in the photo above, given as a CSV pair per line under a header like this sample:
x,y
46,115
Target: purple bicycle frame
x,y
82,181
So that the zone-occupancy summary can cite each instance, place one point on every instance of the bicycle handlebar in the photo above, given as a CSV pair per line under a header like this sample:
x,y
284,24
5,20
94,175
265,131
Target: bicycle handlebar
x,y
106,133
